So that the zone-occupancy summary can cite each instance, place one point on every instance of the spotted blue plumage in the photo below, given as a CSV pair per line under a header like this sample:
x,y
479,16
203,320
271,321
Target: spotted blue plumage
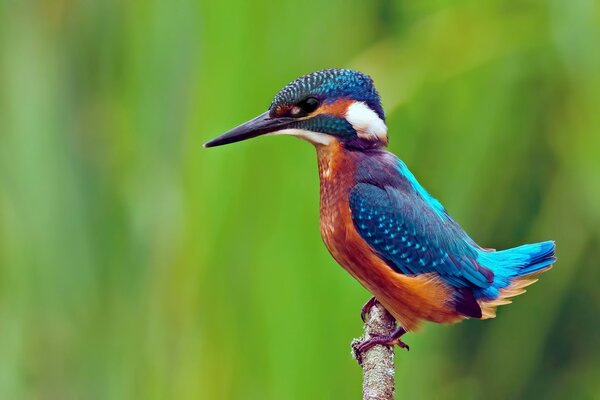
x,y
329,85
412,232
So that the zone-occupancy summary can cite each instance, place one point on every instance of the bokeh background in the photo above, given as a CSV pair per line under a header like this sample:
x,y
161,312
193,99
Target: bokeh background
x,y
134,264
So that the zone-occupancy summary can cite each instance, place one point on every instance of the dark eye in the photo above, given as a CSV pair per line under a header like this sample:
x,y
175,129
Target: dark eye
x,y
305,107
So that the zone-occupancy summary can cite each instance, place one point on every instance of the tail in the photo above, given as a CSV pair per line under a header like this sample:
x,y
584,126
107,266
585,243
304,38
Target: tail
x,y
513,269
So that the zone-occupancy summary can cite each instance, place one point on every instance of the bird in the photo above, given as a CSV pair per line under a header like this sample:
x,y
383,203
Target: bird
x,y
376,219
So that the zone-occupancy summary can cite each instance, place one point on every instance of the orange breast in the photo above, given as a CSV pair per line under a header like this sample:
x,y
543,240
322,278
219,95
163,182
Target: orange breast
x,y
409,299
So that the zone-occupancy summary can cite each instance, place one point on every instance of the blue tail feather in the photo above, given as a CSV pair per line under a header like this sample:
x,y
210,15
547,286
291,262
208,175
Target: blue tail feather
x,y
513,263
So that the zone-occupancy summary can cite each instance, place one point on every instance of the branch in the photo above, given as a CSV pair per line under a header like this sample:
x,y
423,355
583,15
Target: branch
x,y
378,362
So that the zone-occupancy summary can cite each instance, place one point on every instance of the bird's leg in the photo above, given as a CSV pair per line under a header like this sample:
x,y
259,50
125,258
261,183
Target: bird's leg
x,y
366,309
391,340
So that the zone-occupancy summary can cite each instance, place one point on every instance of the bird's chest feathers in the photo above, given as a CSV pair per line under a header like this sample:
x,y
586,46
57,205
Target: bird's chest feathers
x,y
336,172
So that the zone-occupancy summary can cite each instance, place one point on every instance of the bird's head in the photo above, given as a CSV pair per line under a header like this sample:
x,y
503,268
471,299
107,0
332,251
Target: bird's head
x,y
332,105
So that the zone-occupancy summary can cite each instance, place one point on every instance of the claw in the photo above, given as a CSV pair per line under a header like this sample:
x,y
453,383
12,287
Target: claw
x,y
366,309
360,347
400,344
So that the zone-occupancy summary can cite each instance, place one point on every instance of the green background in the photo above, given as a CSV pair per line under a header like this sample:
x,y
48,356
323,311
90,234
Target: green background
x,y
136,264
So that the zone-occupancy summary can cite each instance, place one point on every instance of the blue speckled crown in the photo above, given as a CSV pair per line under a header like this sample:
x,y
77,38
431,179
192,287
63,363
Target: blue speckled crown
x,y
329,85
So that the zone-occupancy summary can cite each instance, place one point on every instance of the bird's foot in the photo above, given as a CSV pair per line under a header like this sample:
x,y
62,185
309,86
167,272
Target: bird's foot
x,y
360,347
366,309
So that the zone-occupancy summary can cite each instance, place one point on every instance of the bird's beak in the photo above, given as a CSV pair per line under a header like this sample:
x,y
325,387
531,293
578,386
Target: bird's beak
x,y
260,125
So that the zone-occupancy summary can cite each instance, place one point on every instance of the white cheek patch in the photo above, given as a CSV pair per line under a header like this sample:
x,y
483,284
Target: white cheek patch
x,y
313,137
366,122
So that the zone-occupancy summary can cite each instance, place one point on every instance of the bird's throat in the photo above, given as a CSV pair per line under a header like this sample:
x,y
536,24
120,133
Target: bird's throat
x,y
330,158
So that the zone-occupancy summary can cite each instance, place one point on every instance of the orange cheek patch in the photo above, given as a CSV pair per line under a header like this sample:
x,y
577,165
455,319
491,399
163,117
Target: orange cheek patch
x,y
337,108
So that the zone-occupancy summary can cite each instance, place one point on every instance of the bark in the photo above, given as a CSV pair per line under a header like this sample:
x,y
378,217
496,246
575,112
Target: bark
x,y
378,362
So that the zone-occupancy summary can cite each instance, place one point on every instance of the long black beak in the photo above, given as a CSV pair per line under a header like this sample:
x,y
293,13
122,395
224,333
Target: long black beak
x,y
255,127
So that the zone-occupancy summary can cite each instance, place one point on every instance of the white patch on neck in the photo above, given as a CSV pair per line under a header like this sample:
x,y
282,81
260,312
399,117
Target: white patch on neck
x,y
313,137
366,122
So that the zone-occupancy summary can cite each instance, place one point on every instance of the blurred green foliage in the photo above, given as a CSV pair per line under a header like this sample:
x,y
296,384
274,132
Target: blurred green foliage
x,y
135,264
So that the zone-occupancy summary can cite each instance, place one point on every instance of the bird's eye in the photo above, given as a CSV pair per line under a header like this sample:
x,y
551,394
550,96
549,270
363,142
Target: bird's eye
x,y
305,107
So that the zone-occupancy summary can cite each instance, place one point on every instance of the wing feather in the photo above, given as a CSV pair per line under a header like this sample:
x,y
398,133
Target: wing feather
x,y
414,238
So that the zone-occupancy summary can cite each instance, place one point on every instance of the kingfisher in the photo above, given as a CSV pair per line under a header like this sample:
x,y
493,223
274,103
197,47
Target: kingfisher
x,y
378,222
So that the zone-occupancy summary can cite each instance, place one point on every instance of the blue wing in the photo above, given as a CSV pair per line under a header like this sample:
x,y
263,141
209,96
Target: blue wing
x,y
413,233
